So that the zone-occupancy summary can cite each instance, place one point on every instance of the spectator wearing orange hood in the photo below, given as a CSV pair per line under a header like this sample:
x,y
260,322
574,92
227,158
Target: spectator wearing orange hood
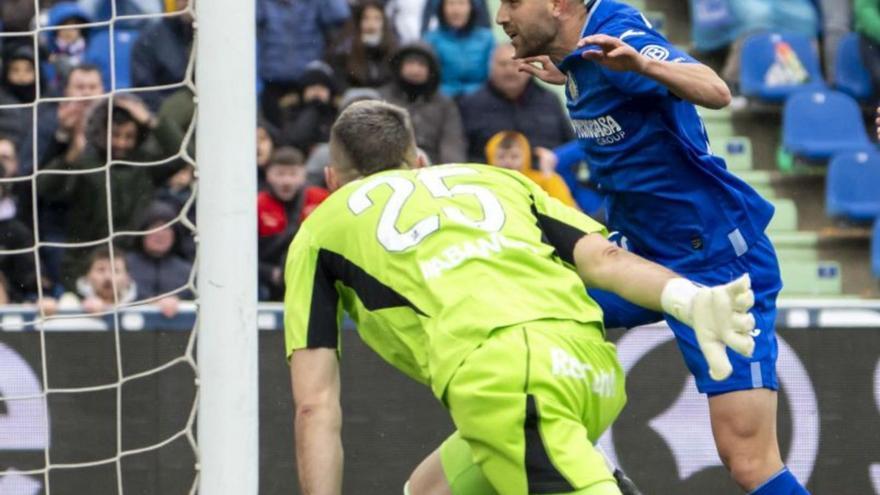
x,y
511,150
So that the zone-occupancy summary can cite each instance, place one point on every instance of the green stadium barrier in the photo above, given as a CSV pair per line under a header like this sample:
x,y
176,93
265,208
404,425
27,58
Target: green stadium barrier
x,y
810,278
736,152
791,244
719,129
710,115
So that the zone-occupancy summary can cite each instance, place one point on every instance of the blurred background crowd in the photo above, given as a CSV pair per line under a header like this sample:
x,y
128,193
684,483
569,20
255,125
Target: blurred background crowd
x,y
443,60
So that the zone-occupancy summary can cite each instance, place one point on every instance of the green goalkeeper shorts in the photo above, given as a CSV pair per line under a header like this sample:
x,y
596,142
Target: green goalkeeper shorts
x,y
531,402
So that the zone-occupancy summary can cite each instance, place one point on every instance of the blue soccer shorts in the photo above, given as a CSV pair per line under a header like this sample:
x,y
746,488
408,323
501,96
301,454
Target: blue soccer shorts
x,y
759,371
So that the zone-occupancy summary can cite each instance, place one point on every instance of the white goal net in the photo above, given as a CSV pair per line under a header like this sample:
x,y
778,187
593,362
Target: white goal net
x,y
99,251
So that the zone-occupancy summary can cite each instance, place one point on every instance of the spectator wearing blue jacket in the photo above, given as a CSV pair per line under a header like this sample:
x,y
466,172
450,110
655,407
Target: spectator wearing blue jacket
x,y
463,48
66,48
290,34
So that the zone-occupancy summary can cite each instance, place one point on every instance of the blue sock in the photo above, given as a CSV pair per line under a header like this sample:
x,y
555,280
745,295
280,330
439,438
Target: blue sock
x,y
781,483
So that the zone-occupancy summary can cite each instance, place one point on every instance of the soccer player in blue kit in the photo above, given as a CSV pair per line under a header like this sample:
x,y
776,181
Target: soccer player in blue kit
x,y
631,96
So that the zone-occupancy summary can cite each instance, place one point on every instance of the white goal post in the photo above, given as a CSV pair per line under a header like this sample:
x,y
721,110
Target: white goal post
x,y
227,274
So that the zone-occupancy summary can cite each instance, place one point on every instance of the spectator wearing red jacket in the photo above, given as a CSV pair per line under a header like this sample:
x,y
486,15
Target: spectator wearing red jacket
x,y
281,209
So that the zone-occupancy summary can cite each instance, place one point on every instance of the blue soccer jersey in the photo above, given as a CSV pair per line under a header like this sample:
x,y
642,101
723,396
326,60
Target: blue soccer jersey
x,y
649,154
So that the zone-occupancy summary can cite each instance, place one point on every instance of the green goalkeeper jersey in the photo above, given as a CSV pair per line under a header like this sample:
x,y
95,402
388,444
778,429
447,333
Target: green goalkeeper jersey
x,y
429,262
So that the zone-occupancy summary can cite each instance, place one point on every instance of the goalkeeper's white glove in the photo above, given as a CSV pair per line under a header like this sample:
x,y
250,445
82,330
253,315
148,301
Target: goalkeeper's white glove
x,y
719,316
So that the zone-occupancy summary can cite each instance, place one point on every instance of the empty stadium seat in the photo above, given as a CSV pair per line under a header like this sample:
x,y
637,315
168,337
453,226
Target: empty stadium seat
x,y
783,54
850,74
736,152
875,249
818,124
853,185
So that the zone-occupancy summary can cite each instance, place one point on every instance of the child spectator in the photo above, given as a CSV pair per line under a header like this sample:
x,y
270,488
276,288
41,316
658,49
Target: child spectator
x,y
135,136
463,48
511,150
154,264
94,290
280,211
363,56
435,117
309,123
66,48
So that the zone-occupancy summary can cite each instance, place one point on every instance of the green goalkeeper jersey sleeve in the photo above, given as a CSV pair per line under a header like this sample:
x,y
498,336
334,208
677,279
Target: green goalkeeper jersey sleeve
x,y
429,262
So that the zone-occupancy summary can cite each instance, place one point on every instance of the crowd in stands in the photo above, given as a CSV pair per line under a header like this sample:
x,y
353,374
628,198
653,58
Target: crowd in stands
x,y
436,58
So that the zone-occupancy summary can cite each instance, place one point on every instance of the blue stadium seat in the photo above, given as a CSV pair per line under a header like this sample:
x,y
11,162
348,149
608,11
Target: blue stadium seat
x,y
852,185
850,74
98,53
764,51
817,124
875,250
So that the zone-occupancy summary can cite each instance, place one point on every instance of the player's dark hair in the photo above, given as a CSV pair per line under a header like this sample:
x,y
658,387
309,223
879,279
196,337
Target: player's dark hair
x,y
374,136
287,155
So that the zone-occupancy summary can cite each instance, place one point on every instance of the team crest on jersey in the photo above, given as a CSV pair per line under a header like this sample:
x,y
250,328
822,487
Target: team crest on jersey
x,y
655,52
572,86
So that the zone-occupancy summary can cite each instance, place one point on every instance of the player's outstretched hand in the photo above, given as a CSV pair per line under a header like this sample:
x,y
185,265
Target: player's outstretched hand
x,y
613,53
719,316
543,68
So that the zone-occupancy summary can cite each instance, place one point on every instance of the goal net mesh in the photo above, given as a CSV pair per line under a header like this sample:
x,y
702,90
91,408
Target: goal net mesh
x,y
89,418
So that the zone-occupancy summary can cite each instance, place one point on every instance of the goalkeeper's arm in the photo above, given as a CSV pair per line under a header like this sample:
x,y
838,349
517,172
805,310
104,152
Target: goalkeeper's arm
x,y
718,315
318,424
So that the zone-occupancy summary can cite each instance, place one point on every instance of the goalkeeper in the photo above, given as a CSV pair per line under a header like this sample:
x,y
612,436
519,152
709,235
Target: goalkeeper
x,y
470,279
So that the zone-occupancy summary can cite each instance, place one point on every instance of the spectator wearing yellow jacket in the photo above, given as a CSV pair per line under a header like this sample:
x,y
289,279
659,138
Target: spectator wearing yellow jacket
x,y
512,150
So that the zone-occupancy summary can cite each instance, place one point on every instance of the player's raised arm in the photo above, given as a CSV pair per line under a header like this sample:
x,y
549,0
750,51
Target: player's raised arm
x,y
693,82
719,315
314,375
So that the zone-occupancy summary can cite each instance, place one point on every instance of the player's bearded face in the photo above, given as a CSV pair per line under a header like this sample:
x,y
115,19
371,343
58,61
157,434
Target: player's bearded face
x,y
529,24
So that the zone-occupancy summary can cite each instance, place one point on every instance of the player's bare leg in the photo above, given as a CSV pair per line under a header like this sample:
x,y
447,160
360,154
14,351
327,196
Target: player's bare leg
x,y
428,478
744,426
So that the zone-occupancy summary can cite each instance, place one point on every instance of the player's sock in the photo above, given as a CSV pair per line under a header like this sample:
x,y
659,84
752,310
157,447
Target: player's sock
x,y
781,483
